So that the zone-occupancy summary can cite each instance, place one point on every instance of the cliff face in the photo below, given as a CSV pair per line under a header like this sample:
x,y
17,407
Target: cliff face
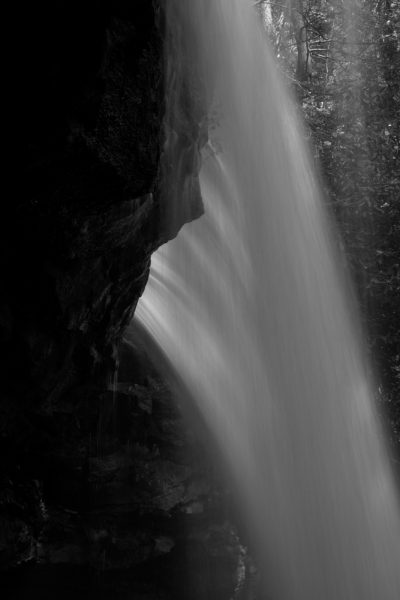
x,y
96,481
113,498
87,210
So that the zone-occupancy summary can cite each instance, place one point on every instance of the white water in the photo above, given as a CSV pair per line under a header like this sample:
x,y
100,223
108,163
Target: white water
x,y
251,310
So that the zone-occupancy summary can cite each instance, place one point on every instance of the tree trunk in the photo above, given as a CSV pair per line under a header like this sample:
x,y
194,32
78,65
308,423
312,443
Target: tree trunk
x,y
300,32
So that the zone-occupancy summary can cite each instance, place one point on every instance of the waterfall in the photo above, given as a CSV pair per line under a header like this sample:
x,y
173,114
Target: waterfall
x,y
251,307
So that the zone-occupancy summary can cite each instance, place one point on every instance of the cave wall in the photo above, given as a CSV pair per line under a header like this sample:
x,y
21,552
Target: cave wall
x,y
93,480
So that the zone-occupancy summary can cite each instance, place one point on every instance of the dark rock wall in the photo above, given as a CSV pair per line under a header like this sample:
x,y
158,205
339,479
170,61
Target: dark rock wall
x,y
97,482
87,211
115,499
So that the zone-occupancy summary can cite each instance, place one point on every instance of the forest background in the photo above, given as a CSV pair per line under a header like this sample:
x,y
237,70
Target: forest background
x,y
342,60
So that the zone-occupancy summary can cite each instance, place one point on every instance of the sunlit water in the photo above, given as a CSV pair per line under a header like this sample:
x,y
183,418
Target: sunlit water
x,y
251,310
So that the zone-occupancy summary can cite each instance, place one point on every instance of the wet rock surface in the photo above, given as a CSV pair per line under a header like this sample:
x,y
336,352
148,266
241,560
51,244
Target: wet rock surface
x,y
115,497
104,491
87,209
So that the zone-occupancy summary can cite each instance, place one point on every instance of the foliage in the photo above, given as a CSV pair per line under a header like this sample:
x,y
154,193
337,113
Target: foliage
x,y
350,99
